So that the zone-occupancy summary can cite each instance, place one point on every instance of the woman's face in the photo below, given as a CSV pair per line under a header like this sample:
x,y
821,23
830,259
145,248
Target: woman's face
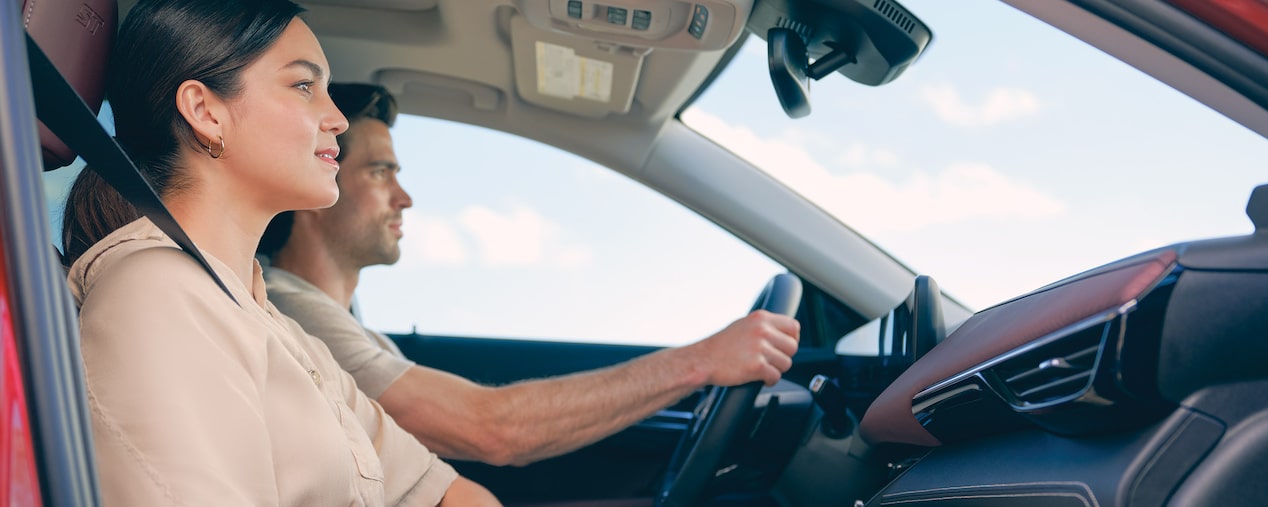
x,y
280,146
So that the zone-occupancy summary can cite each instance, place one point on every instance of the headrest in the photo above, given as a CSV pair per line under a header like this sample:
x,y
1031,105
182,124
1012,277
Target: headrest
x,y
76,35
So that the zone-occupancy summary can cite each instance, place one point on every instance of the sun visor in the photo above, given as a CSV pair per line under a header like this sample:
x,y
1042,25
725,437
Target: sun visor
x,y
573,74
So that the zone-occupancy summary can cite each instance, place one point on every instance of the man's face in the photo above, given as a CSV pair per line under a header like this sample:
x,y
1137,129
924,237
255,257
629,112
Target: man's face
x,y
363,228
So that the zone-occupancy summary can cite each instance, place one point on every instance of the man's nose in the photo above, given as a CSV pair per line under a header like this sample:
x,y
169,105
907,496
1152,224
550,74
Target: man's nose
x,y
402,198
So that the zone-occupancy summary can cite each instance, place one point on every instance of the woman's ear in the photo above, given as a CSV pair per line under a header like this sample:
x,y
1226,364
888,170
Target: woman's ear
x,y
203,110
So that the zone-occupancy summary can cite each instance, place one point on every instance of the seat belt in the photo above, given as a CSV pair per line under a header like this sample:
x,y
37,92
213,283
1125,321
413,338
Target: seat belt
x,y
65,113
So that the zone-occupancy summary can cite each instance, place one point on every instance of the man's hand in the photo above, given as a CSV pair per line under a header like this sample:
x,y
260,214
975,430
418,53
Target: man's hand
x,y
759,346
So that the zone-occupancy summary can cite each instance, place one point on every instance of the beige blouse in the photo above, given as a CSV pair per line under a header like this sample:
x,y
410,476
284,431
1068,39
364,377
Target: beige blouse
x,y
198,401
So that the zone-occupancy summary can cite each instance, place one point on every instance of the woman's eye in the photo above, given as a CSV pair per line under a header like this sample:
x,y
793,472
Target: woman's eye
x,y
306,86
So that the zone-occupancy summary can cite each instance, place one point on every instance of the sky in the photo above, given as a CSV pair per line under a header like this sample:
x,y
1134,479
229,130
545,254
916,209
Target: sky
x,y
1009,156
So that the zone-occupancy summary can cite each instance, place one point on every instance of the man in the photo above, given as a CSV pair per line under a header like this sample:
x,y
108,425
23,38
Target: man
x,y
316,258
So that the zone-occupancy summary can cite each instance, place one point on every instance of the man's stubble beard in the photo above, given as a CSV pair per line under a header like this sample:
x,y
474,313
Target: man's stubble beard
x,y
387,251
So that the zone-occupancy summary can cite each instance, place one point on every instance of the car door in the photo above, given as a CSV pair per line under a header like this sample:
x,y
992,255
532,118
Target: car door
x,y
45,436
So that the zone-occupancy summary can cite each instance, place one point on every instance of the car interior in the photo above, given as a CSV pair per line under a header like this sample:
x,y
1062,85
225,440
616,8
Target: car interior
x,y
1137,383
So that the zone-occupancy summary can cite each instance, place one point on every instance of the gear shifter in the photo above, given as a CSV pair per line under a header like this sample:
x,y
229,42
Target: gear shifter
x,y
836,422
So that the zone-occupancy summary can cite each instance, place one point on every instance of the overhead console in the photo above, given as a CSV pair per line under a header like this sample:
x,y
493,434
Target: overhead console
x,y
584,57
706,25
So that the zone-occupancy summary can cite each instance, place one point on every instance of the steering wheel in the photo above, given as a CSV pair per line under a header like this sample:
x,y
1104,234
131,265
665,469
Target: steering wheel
x,y
719,414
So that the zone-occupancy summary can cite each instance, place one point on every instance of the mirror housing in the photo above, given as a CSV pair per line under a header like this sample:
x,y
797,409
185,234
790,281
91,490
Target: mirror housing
x,y
869,41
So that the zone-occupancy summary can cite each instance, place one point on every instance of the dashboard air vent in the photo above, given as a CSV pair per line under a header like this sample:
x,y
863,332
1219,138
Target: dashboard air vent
x,y
1057,370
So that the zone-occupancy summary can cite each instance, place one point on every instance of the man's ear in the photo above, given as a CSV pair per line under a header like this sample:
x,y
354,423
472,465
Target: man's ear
x,y
203,110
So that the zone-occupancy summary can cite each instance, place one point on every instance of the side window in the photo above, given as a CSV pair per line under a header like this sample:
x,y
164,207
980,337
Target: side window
x,y
56,187
58,181
511,238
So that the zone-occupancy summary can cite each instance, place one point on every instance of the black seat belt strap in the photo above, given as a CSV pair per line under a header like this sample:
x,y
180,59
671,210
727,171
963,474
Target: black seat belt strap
x,y
65,113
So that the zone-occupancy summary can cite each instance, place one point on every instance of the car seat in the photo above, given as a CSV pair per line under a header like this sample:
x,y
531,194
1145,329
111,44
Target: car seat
x,y
76,36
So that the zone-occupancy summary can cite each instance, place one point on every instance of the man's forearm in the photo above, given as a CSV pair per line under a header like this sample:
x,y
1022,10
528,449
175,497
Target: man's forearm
x,y
536,419
533,420
540,419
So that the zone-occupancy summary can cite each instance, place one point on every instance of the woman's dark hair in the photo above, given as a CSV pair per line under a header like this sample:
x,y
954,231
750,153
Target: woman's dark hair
x,y
161,44
83,225
357,101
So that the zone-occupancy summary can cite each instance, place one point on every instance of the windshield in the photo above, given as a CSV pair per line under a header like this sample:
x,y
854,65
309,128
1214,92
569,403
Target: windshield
x,y
1009,156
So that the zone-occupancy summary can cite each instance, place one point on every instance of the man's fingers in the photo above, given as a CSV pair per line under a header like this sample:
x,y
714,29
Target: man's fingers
x,y
786,325
783,343
782,361
771,375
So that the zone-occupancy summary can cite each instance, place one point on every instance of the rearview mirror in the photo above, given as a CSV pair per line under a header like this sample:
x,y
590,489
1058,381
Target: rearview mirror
x,y
786,57
869,41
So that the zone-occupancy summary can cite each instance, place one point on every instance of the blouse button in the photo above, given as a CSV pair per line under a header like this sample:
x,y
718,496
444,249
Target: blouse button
x,y
316,376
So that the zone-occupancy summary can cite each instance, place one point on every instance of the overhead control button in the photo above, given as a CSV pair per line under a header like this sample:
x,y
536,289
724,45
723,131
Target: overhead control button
x,y
642,19
699,19
617,15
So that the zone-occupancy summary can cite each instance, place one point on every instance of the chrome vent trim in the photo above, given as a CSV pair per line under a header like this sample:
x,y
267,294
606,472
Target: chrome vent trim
x,y
1093,321
1058,370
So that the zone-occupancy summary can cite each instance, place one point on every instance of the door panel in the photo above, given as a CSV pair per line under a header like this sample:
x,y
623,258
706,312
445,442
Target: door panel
x,y
626,465
501,361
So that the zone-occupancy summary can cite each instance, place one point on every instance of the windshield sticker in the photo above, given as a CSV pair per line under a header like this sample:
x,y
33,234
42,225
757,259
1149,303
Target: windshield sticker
x,y
561,73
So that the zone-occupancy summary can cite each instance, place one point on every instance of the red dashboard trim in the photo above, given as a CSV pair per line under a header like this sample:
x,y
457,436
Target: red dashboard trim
x,y
1005,327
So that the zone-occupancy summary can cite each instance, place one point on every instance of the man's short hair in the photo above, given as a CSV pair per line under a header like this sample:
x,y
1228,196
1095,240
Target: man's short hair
x,y
357,101
361,100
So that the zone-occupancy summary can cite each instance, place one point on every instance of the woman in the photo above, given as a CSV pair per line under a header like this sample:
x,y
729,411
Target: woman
x,y
196,399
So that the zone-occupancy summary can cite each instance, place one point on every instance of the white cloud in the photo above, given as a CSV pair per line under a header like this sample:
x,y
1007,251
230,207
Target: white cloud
x,y
519,237
1000,105
856,156
874,203
957,193
884,157
784,157
431,240
573,256
861,156
515,239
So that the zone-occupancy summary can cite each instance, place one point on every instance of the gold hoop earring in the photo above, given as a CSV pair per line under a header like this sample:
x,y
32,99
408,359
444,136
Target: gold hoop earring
x,y
217,154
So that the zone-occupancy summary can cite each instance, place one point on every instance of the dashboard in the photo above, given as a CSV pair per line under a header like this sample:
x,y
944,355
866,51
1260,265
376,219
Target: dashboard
x,y
1050,356
1140,382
